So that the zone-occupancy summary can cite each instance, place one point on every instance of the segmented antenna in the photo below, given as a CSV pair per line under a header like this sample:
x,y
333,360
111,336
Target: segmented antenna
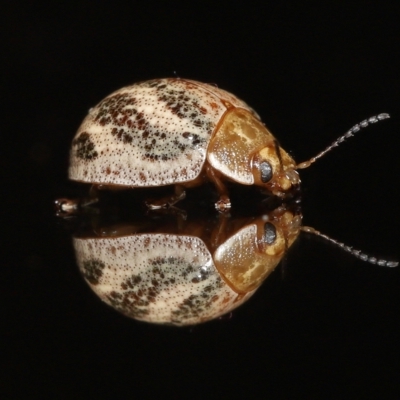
x,y
341,139
349,249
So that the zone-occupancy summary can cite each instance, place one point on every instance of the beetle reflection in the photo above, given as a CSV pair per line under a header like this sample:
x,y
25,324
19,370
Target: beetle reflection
x,y
184,272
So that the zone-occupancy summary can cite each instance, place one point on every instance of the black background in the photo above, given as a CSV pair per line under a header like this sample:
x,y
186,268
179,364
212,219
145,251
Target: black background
x,y
330,328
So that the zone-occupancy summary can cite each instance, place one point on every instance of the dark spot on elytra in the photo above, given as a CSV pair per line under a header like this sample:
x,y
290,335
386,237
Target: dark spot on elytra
x,y
142,177
157,271
92,270
184,106
114,109
122,135
187,271
130,126
131,282
128,304
195,306
84,147
198,122
135,296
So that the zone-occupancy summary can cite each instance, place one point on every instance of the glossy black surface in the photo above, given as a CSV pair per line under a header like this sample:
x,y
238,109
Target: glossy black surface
x,y
324,327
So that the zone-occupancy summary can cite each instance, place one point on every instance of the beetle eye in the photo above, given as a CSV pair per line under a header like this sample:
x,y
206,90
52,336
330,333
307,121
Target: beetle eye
x,y
266,171
269,233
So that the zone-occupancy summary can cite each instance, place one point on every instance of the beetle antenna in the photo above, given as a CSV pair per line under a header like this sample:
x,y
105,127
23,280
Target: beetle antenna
x,y
349,249
341,139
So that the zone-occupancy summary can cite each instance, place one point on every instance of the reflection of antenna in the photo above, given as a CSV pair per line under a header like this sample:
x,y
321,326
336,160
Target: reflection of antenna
x,y
349,249
341,139
305,164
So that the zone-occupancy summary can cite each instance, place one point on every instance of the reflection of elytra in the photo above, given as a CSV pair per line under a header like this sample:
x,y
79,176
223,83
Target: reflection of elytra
x,y
195,274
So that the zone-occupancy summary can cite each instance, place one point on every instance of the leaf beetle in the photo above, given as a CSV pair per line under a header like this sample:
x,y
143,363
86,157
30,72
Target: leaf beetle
x,y
178,132
183,133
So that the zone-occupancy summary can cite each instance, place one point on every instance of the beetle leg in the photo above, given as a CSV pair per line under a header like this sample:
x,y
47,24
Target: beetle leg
x,y
167,202
93,194
224,203
219,233
68,207
92,199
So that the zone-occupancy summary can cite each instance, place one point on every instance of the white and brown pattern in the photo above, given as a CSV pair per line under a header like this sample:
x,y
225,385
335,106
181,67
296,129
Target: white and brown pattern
x,y
152,133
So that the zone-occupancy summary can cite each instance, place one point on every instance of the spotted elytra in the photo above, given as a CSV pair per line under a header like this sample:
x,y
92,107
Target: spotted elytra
x,y
182,133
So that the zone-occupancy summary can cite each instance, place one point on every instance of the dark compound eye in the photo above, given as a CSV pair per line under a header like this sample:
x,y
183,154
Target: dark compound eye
x,y
269,233
266,171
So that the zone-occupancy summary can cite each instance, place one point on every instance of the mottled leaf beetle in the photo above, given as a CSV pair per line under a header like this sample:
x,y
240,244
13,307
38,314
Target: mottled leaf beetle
x,y
181,132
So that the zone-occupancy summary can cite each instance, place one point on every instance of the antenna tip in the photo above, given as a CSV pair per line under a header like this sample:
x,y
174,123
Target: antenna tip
x,y
383,116
392,264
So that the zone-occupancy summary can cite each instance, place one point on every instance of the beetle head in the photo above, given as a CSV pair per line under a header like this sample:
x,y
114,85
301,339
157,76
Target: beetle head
x,y
247,257
278,230
274,169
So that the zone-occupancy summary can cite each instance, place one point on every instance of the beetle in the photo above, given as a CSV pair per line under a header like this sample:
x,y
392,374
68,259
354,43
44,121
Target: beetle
x,y
184,273
181,132
178,132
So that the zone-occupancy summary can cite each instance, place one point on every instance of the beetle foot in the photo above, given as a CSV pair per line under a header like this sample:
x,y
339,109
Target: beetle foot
x,y
156,204
223,205
67,207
